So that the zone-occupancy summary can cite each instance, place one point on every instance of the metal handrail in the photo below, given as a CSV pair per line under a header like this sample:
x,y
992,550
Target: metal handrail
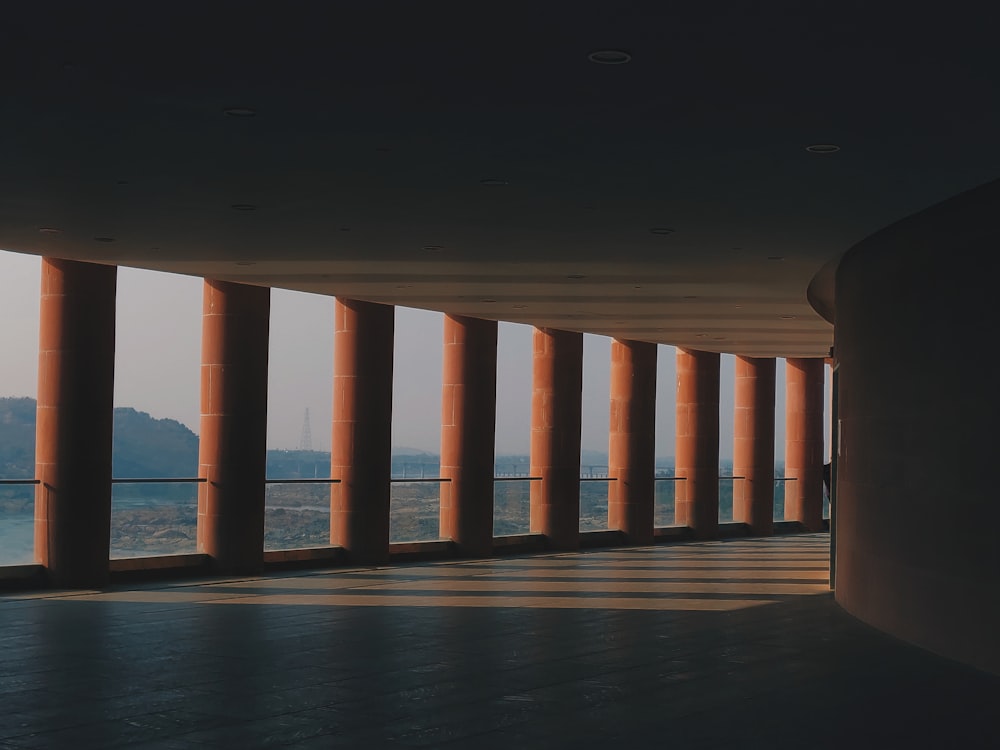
x,y
669,479
160,480
598,479
20,481
422,479
517,479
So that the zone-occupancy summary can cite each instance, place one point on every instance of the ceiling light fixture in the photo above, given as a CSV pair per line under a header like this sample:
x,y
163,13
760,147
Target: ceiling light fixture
x,y
609,57
432,248
823,148
240,112
488,300
50,230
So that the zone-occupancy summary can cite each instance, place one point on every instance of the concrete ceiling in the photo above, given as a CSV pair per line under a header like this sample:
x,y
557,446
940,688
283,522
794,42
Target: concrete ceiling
x,y
470,157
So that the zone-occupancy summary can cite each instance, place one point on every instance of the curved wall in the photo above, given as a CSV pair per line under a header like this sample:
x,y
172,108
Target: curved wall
x,y
918,475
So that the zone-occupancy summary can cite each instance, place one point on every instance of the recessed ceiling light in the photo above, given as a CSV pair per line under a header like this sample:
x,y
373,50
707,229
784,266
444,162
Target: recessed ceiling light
x,y
661,230
50,230
105,239
432,248
823,148
609,57
488,300
240,111
637,286
493,181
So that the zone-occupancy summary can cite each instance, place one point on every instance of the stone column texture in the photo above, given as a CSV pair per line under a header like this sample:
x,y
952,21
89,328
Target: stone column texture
x,y
232,452
557,390
753,444
632,440
804,380
74,422
362,430
697,442
468,432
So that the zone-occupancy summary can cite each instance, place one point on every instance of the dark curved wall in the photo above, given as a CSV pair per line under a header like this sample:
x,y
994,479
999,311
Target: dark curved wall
x,y
918,473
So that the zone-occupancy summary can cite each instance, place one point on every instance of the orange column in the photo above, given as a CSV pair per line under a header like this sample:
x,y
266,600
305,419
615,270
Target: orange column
x,y
557,389
468,432
76,371
362,430
697,450
804,380
232,450
753,444
631,439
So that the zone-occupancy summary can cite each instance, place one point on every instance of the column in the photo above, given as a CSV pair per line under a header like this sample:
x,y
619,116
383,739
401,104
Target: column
x,y
753,444
74,422
697,442
362,430
632,440
232,452
804,379
557,389
468,432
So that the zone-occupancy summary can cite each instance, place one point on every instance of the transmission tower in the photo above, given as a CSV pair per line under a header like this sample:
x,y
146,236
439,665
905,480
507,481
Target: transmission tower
x,y
306,441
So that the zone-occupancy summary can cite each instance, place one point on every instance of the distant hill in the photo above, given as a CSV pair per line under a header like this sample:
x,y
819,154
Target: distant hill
x,y
142,446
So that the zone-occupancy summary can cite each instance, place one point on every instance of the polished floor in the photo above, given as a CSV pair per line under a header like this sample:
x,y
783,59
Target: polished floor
x,y
699,645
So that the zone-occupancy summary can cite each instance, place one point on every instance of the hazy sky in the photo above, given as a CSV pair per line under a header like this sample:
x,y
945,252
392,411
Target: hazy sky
x,y
158,351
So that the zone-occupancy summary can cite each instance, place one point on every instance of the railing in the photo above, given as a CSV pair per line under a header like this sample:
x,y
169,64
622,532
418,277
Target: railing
x,y
415,516
512,505
594,504
726,498
298,519
665,503
148,525
779,496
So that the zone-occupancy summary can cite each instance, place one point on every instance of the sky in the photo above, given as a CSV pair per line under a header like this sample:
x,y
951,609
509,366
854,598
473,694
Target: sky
x,y
158,352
